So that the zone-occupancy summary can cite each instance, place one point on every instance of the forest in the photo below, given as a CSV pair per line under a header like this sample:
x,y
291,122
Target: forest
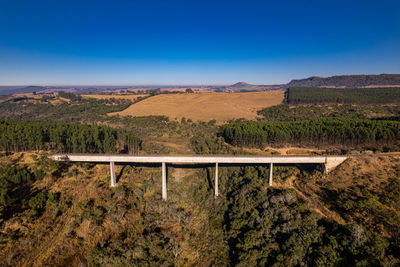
x,y
23,135
340,131
285,112
359,96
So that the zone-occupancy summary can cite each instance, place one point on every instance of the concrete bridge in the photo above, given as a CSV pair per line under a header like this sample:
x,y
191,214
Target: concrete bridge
x,y
328,162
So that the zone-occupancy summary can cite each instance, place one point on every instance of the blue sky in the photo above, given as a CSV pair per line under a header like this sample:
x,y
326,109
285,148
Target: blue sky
x,y
194,42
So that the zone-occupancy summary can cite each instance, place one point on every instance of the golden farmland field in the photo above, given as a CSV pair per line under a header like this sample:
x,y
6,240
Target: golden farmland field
x,y
205,106
120,96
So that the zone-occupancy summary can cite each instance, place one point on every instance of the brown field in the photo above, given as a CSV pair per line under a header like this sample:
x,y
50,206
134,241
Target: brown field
x,y
31,95
205,106
119,96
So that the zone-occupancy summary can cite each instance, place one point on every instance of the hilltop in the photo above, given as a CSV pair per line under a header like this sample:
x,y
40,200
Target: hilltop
x,y
241,85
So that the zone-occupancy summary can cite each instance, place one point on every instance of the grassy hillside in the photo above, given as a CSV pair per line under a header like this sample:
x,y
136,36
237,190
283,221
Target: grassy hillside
x,y
221,107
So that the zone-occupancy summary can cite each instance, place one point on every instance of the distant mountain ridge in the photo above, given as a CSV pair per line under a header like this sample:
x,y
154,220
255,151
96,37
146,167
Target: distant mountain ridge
x,y
344,81
348,81
6,90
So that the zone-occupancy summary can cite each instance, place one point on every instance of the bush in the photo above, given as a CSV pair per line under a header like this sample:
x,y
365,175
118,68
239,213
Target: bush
x,y
38,202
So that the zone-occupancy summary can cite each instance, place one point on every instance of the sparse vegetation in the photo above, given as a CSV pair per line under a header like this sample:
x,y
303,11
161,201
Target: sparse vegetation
x,y
52,108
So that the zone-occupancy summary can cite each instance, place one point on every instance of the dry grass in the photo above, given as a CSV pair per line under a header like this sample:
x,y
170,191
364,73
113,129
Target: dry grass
x,y
367,171
205,106
119,96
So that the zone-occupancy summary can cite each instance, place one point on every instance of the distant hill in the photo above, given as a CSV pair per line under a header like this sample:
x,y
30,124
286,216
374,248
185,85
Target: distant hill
x,y
241,85
7,90
246,87
348,81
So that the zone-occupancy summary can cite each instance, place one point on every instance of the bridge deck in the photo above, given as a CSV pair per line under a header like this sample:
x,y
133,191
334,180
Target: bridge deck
x,y
194,159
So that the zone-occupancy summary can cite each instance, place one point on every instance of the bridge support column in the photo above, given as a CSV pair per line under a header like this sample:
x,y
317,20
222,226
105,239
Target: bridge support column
x,y
164,181
324,169
216,181
112,174
271,166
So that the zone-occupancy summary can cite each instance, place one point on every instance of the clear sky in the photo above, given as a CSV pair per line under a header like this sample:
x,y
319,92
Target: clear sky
x,y
59,42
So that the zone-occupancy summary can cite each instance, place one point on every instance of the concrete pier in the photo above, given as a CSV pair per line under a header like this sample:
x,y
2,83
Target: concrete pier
x,y
271,166
164,181
216,181
112,174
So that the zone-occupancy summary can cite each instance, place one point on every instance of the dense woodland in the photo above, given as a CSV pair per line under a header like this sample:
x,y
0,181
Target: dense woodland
x,y
23,135
360,96
284,112
317,132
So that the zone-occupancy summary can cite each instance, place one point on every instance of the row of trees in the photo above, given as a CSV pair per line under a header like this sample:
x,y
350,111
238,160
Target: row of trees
x,y
284,112
318,95
351,132
21,135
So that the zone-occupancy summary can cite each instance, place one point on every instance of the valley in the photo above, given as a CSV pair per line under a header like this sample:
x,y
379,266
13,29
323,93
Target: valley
x,y
64,213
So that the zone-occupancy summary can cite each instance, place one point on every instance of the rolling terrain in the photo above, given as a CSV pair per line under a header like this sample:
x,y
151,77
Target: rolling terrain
x,y
58,214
